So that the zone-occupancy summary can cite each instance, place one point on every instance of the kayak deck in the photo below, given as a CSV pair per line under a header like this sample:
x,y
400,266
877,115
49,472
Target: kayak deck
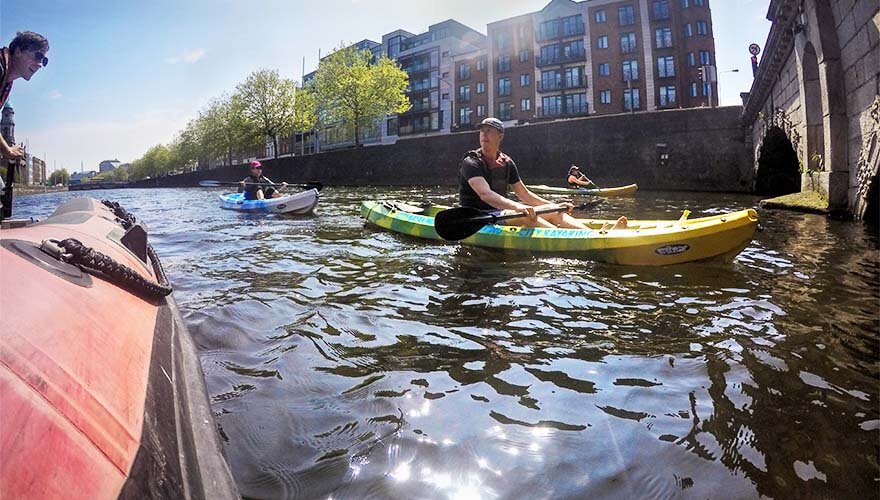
x,y
292,204
643,242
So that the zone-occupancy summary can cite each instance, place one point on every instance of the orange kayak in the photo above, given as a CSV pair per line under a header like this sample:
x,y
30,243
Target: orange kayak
x,y
102,391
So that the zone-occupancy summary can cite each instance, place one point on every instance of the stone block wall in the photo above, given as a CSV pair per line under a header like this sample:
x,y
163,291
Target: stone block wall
x,y
704,150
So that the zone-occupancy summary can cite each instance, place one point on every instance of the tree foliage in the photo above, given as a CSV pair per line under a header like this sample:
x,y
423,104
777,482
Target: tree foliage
x,y
60,176
356,91
268,102
156,161
223,128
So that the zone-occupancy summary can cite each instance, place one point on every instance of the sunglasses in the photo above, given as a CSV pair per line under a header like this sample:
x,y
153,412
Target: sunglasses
x,y
40,56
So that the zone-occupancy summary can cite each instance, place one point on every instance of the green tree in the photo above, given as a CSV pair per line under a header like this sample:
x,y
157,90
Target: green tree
x,y
157,160
187,147
59,177
223,128
354,90
269,105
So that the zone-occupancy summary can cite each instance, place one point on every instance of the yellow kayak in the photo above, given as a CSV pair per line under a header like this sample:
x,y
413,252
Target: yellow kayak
x,y
604,192
642,243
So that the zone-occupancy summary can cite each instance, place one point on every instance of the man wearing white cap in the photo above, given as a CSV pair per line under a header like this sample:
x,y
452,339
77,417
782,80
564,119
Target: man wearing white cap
x,y
486,174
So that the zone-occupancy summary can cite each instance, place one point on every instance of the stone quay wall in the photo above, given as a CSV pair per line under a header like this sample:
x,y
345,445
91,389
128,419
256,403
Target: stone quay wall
x,y
700,149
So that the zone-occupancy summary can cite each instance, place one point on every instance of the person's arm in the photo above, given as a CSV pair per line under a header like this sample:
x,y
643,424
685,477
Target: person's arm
x,y
528,197
585,183
481,187
14,152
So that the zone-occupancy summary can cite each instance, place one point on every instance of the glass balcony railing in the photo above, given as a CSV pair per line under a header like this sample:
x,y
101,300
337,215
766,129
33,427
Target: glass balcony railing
x,y
562,83
552,34
562,112
578,55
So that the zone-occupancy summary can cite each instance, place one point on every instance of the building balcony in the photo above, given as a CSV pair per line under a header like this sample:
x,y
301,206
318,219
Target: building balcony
x,y
418,68
562,84
580,55
546,35
464,99
562,112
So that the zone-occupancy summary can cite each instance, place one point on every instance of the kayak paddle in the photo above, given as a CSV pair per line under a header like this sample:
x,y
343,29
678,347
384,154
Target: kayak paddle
x,y
308,185
458,223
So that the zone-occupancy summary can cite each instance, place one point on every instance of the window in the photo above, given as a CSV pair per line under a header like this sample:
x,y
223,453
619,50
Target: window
x,y
702,28
445,74
464,116
631,99
481,110
663,38
667,95
464,71
698,2
524,80
693,89
704,58
392,126
692,61
707,89
605,97
481,64
574,77
501,40
665,67
503,63
627,42
548,29
549,53
446,96
684,4
552,106
464,93
572,25
602,42
688,30
630,70
504,86
504,110
660,9
525,104
481,87
626,16
445,53
551,80
523,55
599,16
572,50
604,69
576,103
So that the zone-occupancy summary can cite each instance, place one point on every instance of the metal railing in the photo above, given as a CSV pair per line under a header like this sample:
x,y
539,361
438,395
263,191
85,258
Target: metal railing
x,y
563,83
580,55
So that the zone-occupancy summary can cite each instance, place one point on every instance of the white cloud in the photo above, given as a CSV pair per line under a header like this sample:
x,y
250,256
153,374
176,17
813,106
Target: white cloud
x,y
55,94
187,56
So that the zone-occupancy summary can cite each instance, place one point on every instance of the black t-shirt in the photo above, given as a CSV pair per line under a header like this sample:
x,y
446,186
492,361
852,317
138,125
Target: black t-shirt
x,y
250,190
499,178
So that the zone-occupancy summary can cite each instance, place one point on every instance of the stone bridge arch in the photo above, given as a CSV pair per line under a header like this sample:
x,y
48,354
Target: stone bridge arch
x,y
778,171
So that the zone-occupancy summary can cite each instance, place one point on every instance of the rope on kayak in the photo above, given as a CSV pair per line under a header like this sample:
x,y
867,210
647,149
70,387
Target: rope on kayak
x,y
72,251
127,219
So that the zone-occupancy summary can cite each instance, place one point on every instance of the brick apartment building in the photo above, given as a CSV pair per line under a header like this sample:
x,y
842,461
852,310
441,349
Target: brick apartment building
x,y
594,57
568,59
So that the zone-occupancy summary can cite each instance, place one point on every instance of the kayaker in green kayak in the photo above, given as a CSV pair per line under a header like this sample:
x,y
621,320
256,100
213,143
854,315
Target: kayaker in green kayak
x,y
577,179
253,185
486,174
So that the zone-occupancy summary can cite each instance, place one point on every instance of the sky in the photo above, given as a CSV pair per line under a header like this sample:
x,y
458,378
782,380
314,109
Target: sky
x,y
126,75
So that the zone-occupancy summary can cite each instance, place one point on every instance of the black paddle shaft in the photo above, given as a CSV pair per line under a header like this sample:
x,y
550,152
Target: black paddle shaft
x,y
458,223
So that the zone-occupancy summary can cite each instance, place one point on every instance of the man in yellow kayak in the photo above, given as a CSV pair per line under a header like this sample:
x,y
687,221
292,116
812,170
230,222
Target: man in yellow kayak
x,y
577,179
486,174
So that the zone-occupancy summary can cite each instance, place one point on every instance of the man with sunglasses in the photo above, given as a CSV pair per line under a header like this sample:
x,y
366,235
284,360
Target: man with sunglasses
x,y
254,185
25,55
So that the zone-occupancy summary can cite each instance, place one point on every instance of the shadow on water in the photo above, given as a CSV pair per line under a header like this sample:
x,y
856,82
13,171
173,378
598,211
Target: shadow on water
x,y
348,362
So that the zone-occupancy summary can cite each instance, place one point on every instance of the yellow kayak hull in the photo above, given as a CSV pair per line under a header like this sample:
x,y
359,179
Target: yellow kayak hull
x,y
643,243
613,192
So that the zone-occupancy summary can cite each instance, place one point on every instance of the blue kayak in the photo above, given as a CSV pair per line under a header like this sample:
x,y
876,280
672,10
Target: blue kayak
x,y
298,203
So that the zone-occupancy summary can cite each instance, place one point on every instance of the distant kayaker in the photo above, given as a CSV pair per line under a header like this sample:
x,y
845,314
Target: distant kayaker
x,y
24,56
253,185
577,179
486,174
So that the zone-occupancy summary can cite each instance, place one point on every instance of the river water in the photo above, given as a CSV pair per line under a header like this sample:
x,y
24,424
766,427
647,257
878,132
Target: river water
x,y
347,362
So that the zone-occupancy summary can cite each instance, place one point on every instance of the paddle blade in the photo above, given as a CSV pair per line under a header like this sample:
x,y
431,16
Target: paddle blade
x,y
317,186
209,184
458,223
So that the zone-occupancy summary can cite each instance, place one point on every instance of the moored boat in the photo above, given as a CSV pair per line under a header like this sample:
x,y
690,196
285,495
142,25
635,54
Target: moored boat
x,y
292,204
643,242
102,391
612,192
